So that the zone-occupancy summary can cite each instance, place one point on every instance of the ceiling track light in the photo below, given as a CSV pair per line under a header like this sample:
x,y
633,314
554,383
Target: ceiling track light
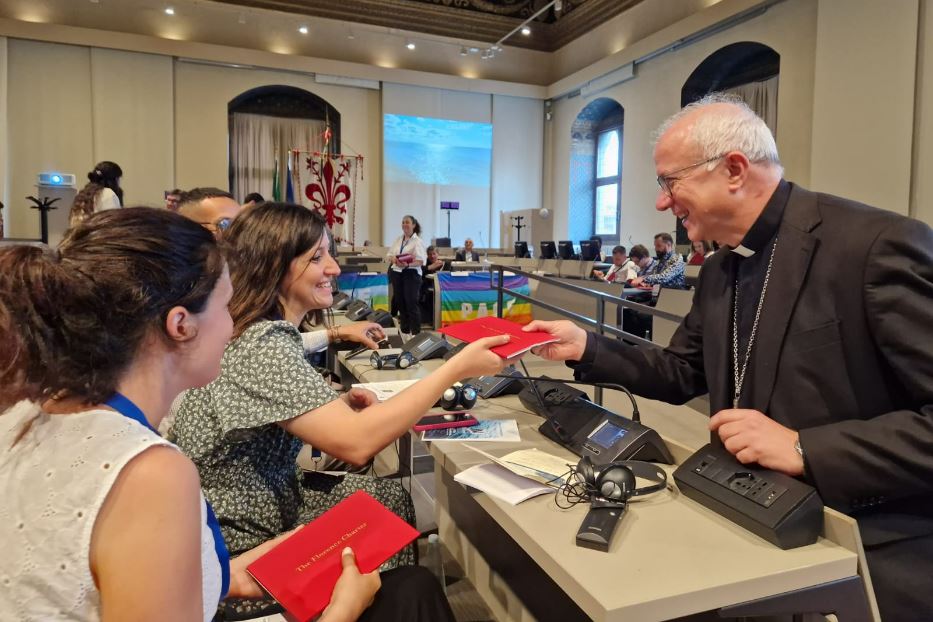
x,y
526,30
169,10
410,44
303,30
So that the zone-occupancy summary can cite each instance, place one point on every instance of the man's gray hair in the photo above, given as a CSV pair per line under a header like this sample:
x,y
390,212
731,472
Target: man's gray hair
x,y
735,129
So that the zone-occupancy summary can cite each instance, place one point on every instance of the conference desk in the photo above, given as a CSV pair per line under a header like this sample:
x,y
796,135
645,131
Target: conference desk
x,y
670,556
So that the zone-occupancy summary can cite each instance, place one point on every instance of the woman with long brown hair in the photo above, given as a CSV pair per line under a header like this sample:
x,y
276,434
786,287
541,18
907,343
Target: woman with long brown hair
x,y
102,192
101,518
245,429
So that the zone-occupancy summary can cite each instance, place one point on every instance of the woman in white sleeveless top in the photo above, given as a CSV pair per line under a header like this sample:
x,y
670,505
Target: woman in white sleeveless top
x,y
100,518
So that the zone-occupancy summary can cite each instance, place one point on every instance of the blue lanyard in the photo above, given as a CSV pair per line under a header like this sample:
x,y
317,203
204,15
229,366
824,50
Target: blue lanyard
x,y
401,250
125,407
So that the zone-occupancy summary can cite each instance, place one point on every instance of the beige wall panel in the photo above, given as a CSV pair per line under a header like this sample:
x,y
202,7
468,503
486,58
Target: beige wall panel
x,y
202,93
133,121
922,200
49,108
654,94
864,100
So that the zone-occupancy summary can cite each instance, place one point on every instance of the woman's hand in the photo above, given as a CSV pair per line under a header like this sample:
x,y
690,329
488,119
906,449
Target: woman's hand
x,y
358,398
353,593
365,333
570,344
242,584
478,360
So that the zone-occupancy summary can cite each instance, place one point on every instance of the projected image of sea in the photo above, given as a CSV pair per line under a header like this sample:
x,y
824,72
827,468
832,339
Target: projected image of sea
x,y
437,151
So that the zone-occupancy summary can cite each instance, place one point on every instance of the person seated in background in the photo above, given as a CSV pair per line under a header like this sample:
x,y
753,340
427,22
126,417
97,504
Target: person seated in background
x,y
212,208
96,340
467,253
623,269
644,262
699,251
434,262
252,199
244,430
172,197
668,270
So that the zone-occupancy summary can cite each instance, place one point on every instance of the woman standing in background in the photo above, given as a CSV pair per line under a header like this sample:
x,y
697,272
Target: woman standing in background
x,y
102,192
406,256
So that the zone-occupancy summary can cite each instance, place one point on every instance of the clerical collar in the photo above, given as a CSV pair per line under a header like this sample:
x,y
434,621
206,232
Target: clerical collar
x,y
767,223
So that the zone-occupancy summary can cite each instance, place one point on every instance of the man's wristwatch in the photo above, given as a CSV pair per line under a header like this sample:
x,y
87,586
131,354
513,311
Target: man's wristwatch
x,y
799,451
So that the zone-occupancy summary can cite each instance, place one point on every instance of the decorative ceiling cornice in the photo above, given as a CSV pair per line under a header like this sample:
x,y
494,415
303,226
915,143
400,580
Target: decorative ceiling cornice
x,y
473,24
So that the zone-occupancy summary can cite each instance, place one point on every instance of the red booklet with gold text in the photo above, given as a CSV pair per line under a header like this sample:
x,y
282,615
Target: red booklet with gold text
x,y
490,327
300,573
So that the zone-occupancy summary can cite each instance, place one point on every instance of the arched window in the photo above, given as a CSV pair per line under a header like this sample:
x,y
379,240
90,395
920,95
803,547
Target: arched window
x,y
265,124
596,171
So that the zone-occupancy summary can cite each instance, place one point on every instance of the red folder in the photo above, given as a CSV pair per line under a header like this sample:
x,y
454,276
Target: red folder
x,y
519,343
300,573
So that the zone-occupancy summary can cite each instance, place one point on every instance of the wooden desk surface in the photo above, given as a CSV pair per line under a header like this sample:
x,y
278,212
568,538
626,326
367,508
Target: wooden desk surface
x,y
669,557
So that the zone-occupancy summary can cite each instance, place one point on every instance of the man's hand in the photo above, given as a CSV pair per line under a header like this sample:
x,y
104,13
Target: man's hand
x,y
358,398
570,344
752,436
637,281
599,274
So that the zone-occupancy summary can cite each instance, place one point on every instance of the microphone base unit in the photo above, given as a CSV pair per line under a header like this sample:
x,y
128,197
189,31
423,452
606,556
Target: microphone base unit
x,y
781,509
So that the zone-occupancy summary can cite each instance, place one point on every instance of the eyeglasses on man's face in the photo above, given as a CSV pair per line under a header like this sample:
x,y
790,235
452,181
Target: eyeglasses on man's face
x,y
666,181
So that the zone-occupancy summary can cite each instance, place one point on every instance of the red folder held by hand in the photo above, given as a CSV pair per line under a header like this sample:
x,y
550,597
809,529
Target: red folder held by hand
x,y
300,573
519,342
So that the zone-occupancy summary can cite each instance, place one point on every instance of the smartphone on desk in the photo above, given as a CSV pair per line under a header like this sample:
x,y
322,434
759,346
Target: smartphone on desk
x,y
447,420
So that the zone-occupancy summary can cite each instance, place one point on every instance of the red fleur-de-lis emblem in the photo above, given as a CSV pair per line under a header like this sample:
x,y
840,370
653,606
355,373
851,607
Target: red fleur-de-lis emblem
x,y
329,194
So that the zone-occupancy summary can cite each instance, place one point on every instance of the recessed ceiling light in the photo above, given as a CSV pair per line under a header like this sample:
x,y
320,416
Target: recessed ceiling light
x,y
526,30
169,10
303,30
410,45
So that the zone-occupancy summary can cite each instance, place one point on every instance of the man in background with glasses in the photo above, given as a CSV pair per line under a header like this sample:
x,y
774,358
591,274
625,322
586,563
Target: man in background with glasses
x,y
812,332
212,208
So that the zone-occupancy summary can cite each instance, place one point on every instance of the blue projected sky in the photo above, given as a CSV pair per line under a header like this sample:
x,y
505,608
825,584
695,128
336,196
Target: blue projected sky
x,y
437,151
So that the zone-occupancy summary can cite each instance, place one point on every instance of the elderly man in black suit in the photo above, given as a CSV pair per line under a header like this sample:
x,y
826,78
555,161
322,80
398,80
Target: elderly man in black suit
x,y
466,253
812,331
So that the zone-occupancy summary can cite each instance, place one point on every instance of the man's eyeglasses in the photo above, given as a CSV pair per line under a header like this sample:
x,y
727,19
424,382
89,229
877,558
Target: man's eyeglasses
x,y
667,181
221,225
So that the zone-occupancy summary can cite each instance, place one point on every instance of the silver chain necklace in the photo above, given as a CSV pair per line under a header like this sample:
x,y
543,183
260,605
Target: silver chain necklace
x,y
739,376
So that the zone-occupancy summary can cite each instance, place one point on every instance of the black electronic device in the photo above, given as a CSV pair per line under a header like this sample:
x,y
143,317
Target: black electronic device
x,y
493,386
427,345
357,310
382,318
461,396
589,250
548,250
442,242
608,489
781,509
391,360
588,429
454,350
521,249
341,301
565,249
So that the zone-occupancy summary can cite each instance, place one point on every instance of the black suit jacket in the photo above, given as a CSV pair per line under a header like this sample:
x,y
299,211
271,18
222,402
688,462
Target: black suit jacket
x,y
844,355
461,255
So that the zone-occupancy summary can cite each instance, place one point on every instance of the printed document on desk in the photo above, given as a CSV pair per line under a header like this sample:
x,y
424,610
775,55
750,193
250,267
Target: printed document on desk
x,y
501,430
501,483
533,463
387,389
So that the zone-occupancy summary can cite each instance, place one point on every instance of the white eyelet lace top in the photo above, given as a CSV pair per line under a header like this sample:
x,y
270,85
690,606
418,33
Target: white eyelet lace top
x,y
53,482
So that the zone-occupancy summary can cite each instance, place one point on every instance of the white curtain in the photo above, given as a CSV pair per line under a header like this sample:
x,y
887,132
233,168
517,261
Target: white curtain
x,y
762,98
259,143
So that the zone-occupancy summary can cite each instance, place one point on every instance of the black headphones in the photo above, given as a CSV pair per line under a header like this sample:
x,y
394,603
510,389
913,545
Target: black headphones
x,y
459,397
616,481
402,360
